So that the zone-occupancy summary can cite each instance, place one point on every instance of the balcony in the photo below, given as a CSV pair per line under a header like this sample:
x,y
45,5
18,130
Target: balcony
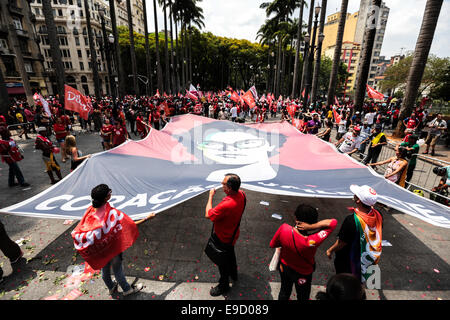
x,y
22,33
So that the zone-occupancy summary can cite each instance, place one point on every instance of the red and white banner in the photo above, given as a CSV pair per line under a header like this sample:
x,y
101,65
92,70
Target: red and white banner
x,y
249,99
190,95
38,97
76,102
374,94
98,239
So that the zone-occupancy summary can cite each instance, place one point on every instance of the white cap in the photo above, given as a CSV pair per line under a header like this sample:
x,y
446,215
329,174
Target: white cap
x,y
366,194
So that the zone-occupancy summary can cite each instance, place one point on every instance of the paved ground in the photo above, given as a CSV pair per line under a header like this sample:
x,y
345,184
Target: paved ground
x,y
168,256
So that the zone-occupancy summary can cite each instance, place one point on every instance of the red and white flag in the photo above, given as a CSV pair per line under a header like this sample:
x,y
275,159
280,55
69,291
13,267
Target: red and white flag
x,y
374,94
190,95
337,118
38,97
254,92
76,102
98,239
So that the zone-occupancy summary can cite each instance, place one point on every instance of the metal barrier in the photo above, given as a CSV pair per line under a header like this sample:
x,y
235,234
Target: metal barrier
x,y
423,177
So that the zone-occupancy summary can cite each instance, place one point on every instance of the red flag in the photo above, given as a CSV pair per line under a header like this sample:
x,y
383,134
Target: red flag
x,y
337,118
191,95
99,239
303,93
75,101
374,94
157,93
165,107
235,97
248,98
291,110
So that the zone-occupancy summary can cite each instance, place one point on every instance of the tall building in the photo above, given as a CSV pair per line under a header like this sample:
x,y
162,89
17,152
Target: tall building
x,y
354,34
137,11
18,37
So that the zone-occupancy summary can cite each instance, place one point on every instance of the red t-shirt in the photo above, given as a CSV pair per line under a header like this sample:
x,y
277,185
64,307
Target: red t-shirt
x,y
306,246
60,127
226,216
139,125
106,129
119,135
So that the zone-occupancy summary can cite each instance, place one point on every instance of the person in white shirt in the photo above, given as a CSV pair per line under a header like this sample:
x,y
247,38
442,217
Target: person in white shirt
x,y
437,127
350,142
234,113
342,128
369,117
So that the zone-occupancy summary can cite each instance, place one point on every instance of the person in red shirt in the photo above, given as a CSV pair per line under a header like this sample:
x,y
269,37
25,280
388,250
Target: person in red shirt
x,y
226,217
119,133
298,248
156,116
141,126
60,133
11,155
106,134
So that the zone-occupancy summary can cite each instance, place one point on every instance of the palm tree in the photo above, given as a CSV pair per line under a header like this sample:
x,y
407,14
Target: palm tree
x,y
172,53
306,59
423,45
93,52
337,53
366,57
318,52
147,50
118,58
55,52
266,36
166,47
132,49
297,50
158,60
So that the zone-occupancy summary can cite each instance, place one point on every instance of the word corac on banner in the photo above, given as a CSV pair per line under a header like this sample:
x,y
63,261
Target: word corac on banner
x,y
76,102
192,154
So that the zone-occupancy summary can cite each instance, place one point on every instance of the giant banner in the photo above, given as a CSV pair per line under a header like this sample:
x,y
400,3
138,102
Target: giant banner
x,y
192,154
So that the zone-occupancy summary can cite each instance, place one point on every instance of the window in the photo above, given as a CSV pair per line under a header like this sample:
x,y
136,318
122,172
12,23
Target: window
x,y
55,1
77,41
86,42
88,53
3,44
44,40
37,11
81,65
60,12
28,66
17,23
79,54
63,41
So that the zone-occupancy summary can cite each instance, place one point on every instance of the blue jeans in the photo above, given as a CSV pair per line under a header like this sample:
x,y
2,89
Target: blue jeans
x,y
116,264
14,172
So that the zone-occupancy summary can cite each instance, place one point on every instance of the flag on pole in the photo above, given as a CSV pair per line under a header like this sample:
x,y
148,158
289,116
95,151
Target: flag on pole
x,y
254,92
38,97
374,94
337,118
75,101
190,95
248,98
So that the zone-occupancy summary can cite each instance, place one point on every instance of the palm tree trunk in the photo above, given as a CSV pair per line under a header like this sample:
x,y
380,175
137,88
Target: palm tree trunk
x,y
147,50
306,56
177,60
186,57
190,52
278,69
132,50
423,45
166,50
172,62
118,58
93,52
318,52
158,60
337,53
366,58
55,52
297,51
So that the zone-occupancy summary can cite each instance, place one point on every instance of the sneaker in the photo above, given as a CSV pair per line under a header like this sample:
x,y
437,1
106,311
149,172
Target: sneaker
x,y
134,289
18,258
114,288
217,291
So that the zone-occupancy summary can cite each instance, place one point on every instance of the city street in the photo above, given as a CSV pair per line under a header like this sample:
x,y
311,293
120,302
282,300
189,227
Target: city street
x,y
168,256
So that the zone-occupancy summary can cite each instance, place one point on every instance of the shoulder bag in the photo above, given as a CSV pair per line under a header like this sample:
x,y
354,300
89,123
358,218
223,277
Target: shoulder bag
x,y
218,251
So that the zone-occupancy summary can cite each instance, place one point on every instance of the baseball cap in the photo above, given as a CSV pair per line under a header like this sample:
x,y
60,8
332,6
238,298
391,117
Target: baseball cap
x,y
357,128
366,194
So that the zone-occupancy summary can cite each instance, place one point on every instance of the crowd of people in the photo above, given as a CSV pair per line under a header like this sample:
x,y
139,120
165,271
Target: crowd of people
x,y
357,132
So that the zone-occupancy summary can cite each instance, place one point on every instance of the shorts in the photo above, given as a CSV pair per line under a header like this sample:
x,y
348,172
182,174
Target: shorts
x,y
431,140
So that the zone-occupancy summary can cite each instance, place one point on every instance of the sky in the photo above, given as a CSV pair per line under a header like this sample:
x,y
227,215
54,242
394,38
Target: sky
x,y
241,19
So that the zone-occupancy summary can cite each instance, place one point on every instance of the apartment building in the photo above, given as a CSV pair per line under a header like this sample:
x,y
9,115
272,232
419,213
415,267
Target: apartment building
x,y
20,56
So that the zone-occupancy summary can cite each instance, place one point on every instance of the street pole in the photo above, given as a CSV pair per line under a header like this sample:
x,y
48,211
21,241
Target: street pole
x,y
108,55
318,53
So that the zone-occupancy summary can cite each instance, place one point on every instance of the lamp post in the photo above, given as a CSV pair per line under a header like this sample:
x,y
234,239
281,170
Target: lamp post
x,y
310,56
108,42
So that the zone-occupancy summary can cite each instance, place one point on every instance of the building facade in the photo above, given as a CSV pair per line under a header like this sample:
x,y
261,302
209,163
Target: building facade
x,y
355,26
70,21
137,12
19,42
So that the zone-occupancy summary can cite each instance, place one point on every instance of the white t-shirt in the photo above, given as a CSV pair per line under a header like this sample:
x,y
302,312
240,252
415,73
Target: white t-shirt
x,y
435,124
342,126
369,117
234,112
350,142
